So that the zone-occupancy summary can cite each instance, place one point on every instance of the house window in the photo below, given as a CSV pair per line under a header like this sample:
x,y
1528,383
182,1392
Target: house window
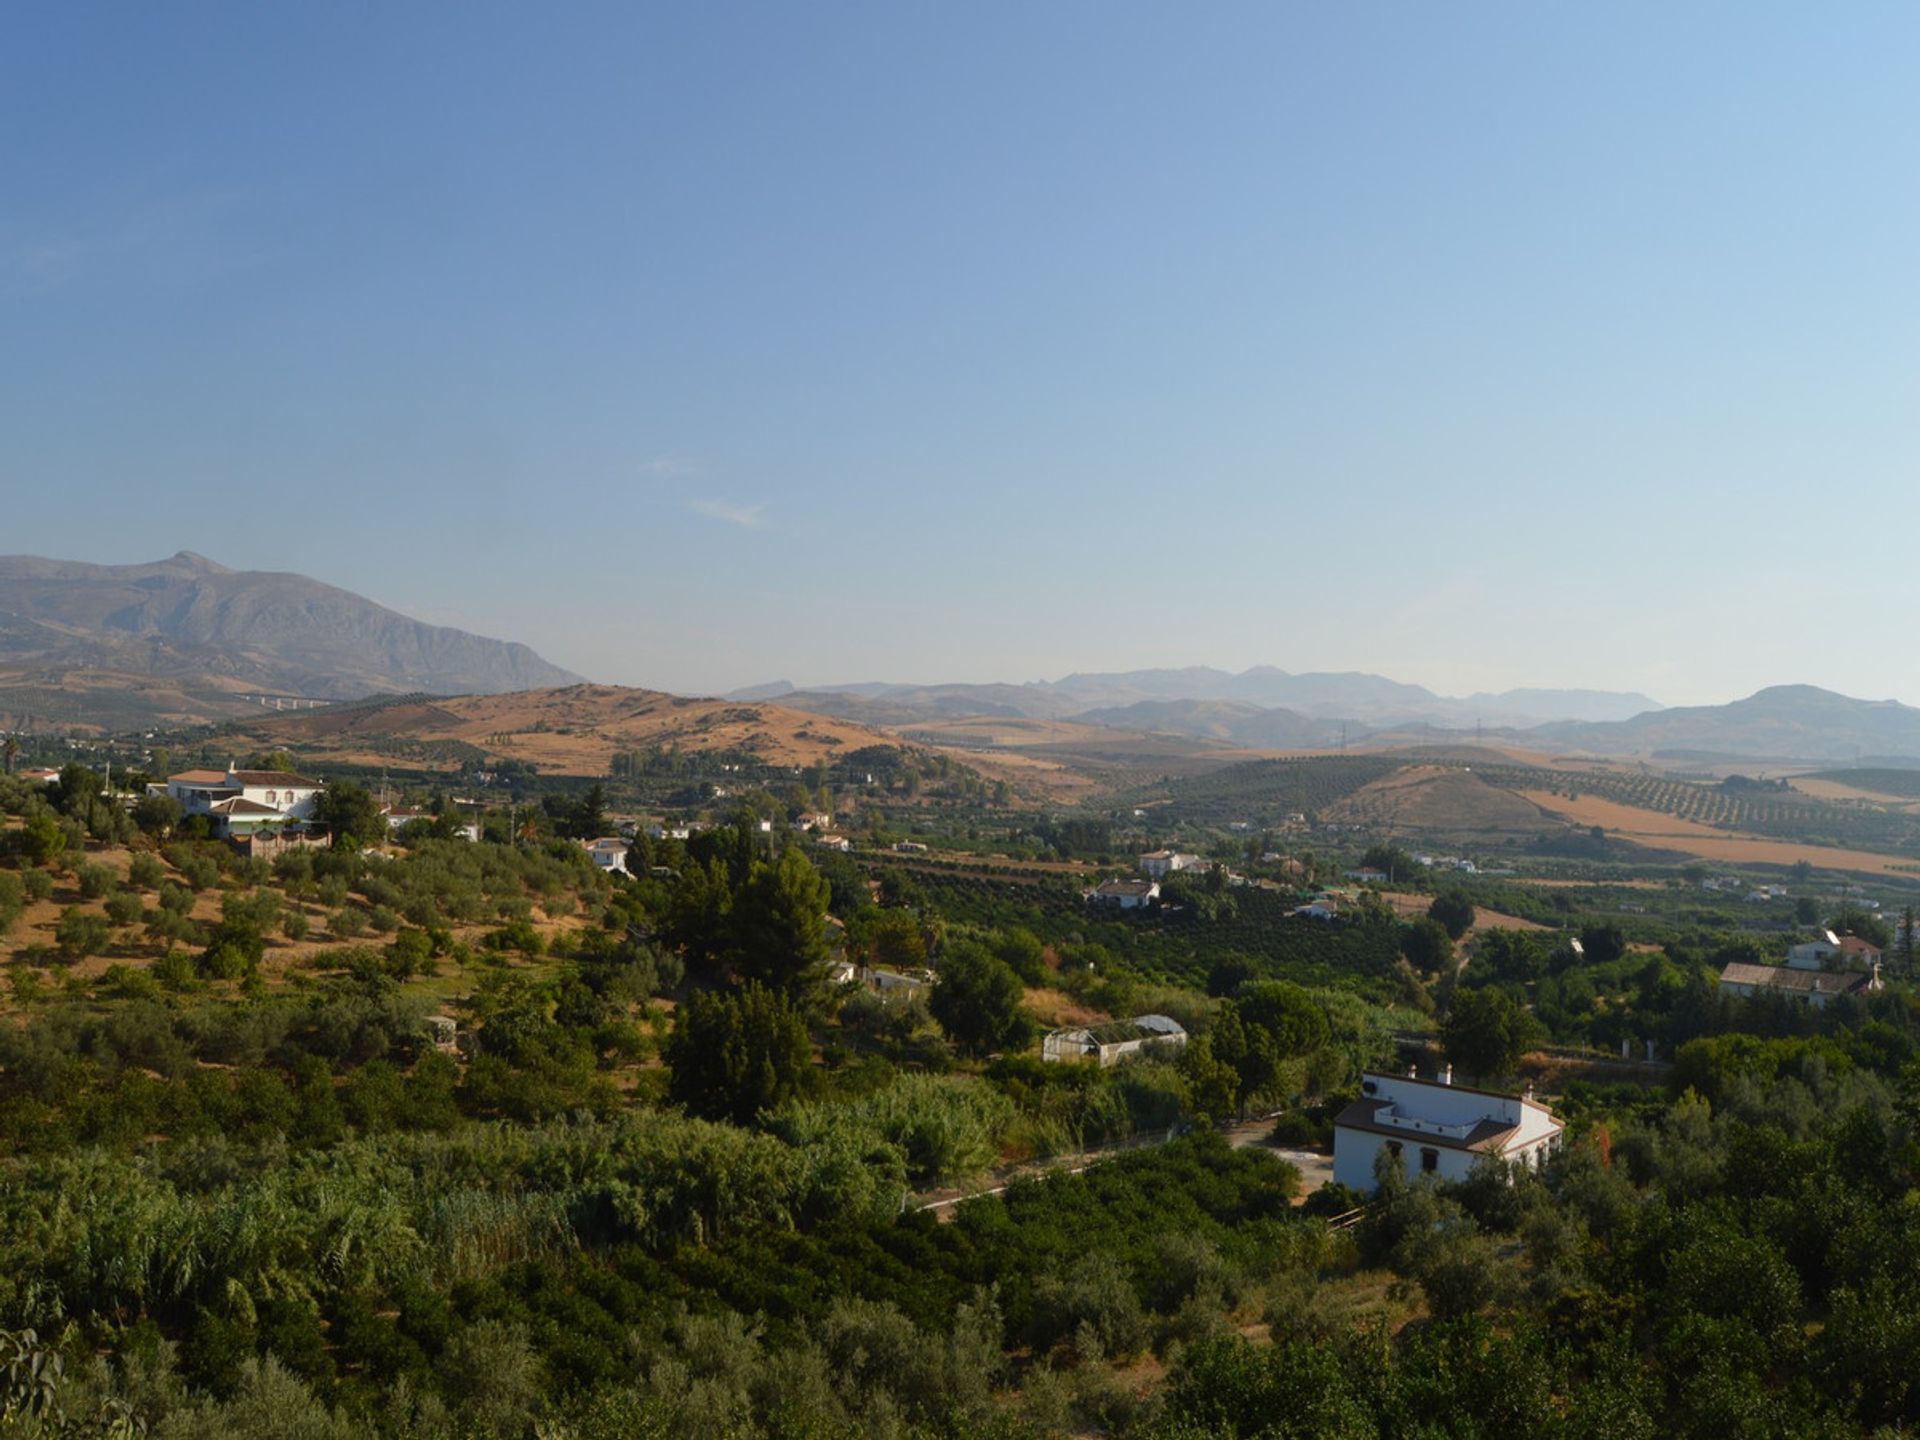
x,y
272,797
1429,1158
1393,1148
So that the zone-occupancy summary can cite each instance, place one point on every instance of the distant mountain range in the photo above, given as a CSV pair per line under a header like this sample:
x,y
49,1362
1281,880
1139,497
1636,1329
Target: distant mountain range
x,y
1786,722
1265,708
1362,702
191,633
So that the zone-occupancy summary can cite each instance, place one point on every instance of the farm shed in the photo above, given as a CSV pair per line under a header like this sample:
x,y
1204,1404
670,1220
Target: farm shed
x,y
1110,1041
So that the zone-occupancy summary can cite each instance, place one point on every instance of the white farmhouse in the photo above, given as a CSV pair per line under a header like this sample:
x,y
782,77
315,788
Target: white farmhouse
x,y
1158,864
1832,949
1815,987
1125,894
608,853
1435,1127
240,802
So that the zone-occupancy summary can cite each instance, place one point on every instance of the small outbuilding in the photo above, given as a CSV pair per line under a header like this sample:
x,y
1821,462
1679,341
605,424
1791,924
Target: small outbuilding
x,y
1113,1039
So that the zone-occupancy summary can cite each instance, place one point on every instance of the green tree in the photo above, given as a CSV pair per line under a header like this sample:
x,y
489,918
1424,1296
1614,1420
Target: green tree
x,y
81,932
350,813
1603,944
892,938
735,1056
779,926
977,1001
156,815
1453,910
1486,1031
40,839
1427,945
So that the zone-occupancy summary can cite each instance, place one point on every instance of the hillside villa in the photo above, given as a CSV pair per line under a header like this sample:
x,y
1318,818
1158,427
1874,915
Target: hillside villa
x,y
240,802
1434,1127
608,853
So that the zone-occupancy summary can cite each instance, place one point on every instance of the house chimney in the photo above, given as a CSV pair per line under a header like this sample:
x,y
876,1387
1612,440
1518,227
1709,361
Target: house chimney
x,y
1446,1074
1527,1094
1413,1072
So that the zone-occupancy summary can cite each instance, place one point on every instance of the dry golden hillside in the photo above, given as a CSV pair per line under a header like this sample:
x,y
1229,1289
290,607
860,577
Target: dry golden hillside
x,y
575,730
1439,799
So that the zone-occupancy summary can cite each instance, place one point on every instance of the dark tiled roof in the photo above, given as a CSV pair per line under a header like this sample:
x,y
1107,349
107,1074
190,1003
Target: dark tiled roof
x,y
1788,980
1487,1136
240,806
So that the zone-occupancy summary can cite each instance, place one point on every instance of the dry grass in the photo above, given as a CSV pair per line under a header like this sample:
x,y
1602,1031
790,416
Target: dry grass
x,y
1667,832
576,730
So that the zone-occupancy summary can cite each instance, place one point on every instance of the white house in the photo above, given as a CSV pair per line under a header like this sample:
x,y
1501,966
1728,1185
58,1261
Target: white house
x,y
1316,910
608,853
1125,894
1112,1040
812,820
661,831
1816,987
833,842
240,802
1158,864
1833,949
1435,1127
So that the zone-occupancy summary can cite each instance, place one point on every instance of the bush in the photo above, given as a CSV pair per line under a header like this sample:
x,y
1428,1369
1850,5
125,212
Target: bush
x,y
95,881
80,933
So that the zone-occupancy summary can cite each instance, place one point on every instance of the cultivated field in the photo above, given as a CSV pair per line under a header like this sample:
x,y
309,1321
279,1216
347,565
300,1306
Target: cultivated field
x,y
1667,832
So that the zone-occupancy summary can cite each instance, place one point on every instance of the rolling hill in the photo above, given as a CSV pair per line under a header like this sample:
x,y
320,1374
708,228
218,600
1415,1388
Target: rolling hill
x,y
574,730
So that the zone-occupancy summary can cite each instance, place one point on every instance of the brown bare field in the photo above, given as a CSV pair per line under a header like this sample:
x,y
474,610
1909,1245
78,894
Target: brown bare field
x,y
1411,907
1439,798
575,730
1668,832
1834,790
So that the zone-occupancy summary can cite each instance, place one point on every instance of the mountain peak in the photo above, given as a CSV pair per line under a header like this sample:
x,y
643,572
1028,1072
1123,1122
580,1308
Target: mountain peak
x,y
194,560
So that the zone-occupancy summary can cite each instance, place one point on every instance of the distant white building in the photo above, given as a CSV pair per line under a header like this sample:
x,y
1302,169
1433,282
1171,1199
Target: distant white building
x,y
1113,1039
1434,1127
1125,894
1158,864
833,842
1832,949
1815,987
608,853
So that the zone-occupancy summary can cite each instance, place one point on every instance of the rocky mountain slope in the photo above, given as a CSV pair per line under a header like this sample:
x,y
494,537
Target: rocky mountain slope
x,y
187,626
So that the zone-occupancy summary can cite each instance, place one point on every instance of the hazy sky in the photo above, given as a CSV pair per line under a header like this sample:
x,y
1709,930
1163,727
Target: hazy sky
x,y
704,344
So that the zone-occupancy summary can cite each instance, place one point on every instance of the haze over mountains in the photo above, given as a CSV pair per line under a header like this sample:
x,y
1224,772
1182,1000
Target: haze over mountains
x,y
182,640
1360,701
191,631
1266,708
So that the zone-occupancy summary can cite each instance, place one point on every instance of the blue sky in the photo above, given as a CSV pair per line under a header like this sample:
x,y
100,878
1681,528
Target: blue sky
x,y
708,344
